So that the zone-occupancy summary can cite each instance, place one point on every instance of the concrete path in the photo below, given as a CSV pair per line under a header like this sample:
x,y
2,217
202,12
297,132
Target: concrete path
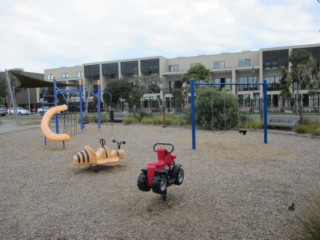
x,y
10,125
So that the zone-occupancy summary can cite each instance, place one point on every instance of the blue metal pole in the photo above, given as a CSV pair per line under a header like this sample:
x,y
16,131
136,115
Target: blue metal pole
x,y
265,111
81,107
55,90
193,115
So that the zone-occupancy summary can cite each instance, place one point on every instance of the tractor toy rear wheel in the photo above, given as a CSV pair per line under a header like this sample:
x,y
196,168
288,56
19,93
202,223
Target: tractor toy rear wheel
x,y
142,182
179,177
160,183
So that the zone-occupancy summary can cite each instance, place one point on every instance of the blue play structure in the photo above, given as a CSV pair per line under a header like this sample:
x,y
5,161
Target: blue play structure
x,y
193,108
75,92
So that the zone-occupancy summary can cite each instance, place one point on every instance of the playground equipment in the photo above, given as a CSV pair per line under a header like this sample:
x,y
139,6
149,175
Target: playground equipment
x,y
193,110
161,174
45,129
103,156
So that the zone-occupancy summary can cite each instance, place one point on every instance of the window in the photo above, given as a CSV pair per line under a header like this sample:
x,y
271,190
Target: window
x,y
174,68
110,70
242,81
244,100
223,83
79,74
176,84
150,67
271,65
247,83
244,62
64,75
194,64
129,69
274,65
219,64
273,83
92,71
50,77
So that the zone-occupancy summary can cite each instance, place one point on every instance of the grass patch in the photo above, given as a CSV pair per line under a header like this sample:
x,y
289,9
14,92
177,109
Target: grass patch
x,y
251,124
310,219
313,129
130,120
177,120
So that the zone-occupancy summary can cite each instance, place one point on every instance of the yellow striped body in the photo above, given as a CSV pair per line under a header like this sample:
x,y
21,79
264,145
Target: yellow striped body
x,y
102,156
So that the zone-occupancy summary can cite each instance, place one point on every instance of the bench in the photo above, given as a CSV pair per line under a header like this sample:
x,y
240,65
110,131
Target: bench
x,y
284,121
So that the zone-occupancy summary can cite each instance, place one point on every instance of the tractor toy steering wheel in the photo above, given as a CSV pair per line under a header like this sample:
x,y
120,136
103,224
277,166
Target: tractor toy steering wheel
x,y
163,144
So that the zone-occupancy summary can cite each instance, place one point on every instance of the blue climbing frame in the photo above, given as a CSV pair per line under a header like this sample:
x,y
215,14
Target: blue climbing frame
x,y
193,108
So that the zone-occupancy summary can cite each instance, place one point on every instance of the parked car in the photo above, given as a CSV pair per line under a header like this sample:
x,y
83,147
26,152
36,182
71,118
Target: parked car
x,y
42,110
3,110
20,110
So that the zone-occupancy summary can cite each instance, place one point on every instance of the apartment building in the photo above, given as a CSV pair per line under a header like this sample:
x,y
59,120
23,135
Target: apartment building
x,y
246,67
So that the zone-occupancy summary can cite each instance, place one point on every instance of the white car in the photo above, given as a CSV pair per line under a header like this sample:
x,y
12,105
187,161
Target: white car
x,y
20,110
42,110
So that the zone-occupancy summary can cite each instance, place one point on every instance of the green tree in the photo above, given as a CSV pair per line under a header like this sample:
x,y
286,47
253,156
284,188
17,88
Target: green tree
x,y
198,73
149,84
301,75
216,109
120,89
135,95
178,98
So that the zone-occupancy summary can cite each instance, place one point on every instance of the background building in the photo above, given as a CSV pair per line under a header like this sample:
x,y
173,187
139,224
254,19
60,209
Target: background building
x,y
246,67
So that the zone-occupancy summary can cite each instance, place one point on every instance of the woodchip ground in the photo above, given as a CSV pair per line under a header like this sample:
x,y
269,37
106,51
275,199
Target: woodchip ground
x,y
235,186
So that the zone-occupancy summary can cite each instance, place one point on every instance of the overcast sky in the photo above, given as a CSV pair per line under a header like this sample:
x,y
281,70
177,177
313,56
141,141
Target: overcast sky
x,y
38,34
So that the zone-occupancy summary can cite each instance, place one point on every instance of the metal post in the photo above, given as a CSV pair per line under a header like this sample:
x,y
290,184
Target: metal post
x,y
193,115
81,107
28,91
99,103
265,111
56,103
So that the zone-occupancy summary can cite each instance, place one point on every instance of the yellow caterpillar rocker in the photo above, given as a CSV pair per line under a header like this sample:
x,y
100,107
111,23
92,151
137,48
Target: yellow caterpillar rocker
x,y
103,156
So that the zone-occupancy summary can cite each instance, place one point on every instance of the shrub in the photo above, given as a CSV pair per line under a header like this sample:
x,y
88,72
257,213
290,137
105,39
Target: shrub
x,y
89,118
301,129
156,121
130,120
144,114
169,121
103,118
216,109
146,121
178,120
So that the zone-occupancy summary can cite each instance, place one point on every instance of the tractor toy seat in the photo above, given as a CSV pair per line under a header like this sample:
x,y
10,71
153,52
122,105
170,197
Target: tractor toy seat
x,y
159,164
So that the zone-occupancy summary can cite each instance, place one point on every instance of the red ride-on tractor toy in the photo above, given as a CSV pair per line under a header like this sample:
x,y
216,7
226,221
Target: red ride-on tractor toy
x,y
161,174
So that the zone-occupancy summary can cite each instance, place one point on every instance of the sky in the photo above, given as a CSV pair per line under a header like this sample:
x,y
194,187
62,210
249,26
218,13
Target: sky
x,y
37,34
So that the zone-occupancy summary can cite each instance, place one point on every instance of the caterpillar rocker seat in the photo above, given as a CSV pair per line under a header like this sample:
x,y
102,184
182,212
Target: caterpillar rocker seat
x,y
161,174
103,156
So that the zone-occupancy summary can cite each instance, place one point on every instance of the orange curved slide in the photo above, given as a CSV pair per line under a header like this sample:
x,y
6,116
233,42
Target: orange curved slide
x,y
46,131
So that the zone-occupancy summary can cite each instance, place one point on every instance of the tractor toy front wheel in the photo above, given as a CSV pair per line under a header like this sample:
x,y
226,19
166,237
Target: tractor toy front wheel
x,y
179,177
160,183
142,182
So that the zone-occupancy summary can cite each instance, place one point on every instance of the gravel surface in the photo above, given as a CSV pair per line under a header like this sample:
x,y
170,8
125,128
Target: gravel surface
x,y
235,186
